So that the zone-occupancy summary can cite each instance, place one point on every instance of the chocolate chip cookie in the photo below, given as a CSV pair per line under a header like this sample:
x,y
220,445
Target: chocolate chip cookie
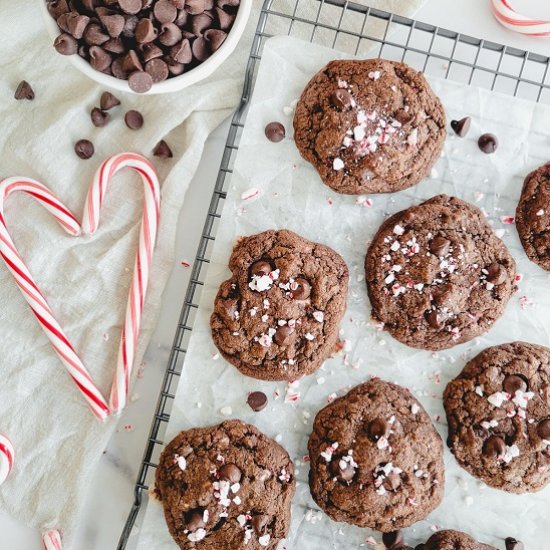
x,y
278,316
376,459
498,410
369,126
453,540
533,216
227,486
437,275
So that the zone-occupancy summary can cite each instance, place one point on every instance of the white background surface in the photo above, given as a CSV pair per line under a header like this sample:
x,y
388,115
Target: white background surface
x,y
110,500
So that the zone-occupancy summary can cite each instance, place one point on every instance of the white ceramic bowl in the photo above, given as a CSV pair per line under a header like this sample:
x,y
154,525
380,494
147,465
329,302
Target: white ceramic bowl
x,y
173,84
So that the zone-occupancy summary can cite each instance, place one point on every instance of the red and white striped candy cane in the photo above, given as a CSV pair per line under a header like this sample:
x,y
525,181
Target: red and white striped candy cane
x,y
147,237
32,294
6,457
52,540
514,21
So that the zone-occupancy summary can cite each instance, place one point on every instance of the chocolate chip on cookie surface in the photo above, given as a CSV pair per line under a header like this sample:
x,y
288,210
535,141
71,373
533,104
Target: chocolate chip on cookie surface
x,y
437,275
278,316
376,459
533,216
498,410
369,126
227,486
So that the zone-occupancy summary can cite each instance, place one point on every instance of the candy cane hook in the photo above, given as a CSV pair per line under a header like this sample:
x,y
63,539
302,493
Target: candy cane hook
x,y
514,21
52,540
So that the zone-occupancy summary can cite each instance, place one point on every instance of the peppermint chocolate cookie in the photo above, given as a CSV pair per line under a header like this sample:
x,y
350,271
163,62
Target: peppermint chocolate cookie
x,y
376,459
533,216
437,275
498,410
278,316
225,487
453,540
369,126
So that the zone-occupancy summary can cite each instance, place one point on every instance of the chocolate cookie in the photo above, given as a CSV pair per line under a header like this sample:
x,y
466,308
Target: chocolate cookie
x,y
228,486
278,316
376,459
453,540
369,126
437,275
533,216
498,410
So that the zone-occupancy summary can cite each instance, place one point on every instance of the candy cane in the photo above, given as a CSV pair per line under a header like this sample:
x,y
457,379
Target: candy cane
x,y
514,21
32,294
147,237
6,457
52,540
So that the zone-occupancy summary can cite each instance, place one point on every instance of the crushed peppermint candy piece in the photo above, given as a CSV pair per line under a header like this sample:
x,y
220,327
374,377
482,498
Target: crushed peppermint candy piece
x,y
415,408
507,220
338,164
329,451
197,535
181,462
319,316
412,138
510,453
521,398
249,194
540,212
479,390
309,336
264,540
498,398
489,424
374,75
398,230
263,282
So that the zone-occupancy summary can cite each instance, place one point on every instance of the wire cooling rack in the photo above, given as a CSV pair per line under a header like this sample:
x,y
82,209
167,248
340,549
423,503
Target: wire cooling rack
x,y
357,30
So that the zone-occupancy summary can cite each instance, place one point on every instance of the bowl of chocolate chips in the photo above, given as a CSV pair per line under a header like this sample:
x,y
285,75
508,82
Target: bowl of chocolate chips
x,y
146,46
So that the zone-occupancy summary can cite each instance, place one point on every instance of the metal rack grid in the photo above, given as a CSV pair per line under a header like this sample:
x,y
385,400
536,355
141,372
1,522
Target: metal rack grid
x,y
357,30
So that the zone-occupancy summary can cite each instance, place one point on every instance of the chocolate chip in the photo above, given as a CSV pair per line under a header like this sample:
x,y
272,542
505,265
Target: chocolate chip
x,y
393,539
76,24
275,132
162,150
145,31
114,45
200,49
403,116
494,447
108,101
93,36
230,472
99,58
174,67
282,335
302,290
440,246
496,274
130,6
112,21
62,22
57,8
225,20
260,268
165,11
462,126
488,143
117,68
133,119
193,519
140,82
342,470
180,4
434,319
170,34
259,524
392,482
215,38
130,24
99,117
158,69
377,428
24,91
150,51
182,52
513,383
257,400
194,7
513,544
84,148
65,44
341,99
543,429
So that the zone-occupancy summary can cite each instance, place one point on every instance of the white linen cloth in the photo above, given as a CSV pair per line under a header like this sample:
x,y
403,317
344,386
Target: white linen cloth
x,y
57,440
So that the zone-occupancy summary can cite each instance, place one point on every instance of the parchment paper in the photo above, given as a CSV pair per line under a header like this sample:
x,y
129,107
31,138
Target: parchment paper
x,y
292,196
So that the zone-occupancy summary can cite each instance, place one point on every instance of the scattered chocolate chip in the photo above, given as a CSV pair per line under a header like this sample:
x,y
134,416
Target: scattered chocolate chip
x,y
377,428
24,91
282,335
99,118
302,290
260,268
275,132
158,69
162,150
488,143
543,429
513,383
494,446
165,11
496,274
434,319
140,82
259,524
65,44
257,400
230,472
439,246
513,544
461,127
84,149
393,539
108,101
341,99
194,519
133,119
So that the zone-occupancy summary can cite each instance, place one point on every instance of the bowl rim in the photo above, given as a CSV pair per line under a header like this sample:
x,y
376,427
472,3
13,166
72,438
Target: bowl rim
x,y
173,84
